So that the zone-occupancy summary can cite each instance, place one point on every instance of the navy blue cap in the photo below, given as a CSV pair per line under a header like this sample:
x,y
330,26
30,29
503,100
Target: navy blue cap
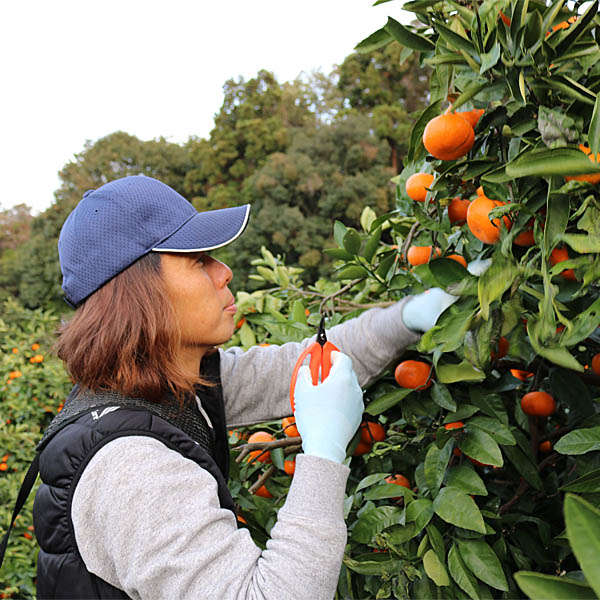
x,y
123,220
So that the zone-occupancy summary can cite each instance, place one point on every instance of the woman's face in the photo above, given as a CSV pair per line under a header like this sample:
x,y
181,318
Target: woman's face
x,y
197,286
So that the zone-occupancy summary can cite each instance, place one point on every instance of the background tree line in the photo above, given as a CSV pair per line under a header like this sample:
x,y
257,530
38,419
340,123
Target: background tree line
x,y
303,153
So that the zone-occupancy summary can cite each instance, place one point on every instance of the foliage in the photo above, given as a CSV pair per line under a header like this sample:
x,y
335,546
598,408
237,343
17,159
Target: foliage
x,y
33,386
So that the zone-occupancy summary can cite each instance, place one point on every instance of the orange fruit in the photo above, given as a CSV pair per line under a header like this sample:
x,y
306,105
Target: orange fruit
x,y
472,116
448,137
413,374
564,25
362,448
596,364
501,349
455,425
416,186
505,19
289,427
538,404
459,259
289,466
522,375
242,520
398,480
263,492
560,254
457,210
479,191
457,452
545,446
419,255
3,467
479,223
35,347
15,351
240,323
371,432
589,177
260,436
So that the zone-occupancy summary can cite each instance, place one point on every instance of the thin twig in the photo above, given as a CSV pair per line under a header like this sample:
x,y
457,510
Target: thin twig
x,y
245,449
339,293
520,491
409,238
261,480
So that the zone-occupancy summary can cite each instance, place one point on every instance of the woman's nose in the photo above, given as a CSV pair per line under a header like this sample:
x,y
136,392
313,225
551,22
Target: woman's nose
x,y
222,274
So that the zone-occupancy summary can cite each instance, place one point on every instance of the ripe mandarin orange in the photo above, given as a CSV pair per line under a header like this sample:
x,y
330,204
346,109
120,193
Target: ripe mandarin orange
x,y
260,436
448,136
417,184
263,492
289,466
372,432
362,448
545,446
472,116
289,427
413,374
539,404
506,19
419,255
479,191
457,210
398,480
501,349
560,254
455,425
596,364
459,259
522,375
479,223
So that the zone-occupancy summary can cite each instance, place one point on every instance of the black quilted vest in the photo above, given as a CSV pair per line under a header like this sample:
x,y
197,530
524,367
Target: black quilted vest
x,y
86,424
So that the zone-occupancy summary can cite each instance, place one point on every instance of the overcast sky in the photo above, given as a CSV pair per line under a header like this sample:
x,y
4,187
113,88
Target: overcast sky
x,y
74,70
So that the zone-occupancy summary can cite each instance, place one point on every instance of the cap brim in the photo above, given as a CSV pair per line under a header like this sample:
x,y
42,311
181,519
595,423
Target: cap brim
x,y
207,230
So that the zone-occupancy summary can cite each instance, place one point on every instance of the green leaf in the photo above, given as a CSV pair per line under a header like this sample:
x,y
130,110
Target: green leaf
x,y
464,411
582,243
277,457
408,38
372,245
352,272
461,575
577,29
454,40
441,396
463,371
369,480
338,253
386,401
524,466
490,403
495,281
339,231
447,272
386,567
466,479
351,241
590,483
500,432
490,59
471,91
416,136
298,314
435,569
579,441
376,40
568,87
538,586
247,337
483,563
454,506
557,218
436,462
373,521
594,130
479,445
583,529
436,540
388,490
546,163
420,512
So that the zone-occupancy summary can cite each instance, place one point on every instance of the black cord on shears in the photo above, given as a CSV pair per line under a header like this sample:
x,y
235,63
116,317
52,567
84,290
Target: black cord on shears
x,y
321,336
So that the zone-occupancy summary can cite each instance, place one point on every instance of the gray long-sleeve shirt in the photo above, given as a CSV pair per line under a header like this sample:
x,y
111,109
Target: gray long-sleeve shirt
x,y
154,527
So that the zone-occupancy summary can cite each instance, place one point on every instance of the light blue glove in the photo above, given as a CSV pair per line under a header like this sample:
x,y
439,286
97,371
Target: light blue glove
x,y
422,311
328,414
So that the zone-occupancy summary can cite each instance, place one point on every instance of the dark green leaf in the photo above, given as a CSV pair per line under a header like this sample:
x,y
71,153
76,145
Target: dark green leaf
x,y
461,574
594,130
491,404
454,506
454,40
277,457
464,411
388,490
583,528
495,281
483,563
579,441
465,478
435,569
376,40
567,387
369,480
441,396
408,38
538,586
450,373
338,253
447,272
420,512
545,163
372,245
557,217
351,241
436,462
479,445
385,567
500,432
524,466
590,483
386,401
584,244
352,272
373,521
490,59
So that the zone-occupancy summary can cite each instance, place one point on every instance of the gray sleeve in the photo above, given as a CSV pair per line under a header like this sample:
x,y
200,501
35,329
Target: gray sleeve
x,y
148,521
256,382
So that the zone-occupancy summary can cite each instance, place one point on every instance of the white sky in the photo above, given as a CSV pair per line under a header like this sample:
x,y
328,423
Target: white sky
x,y
74,70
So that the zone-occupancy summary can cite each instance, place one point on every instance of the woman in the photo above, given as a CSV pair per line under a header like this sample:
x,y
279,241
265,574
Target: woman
x,y
134,501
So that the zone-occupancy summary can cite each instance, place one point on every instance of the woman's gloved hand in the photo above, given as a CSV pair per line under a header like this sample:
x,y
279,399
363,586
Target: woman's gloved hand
x,y
328,414
422,311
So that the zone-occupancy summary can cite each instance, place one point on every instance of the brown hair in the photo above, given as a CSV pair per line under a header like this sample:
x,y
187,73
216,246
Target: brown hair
x,y
125,338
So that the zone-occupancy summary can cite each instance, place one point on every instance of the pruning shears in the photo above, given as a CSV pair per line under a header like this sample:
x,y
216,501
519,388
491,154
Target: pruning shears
x,y
320,359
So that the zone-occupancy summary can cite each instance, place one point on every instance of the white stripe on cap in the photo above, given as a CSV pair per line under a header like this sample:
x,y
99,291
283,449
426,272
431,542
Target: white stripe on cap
x,y
206,248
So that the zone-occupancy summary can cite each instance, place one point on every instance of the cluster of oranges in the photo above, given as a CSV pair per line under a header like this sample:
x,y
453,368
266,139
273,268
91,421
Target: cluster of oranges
x,y
4,463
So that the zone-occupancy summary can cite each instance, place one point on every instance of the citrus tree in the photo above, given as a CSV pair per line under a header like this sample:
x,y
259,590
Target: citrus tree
x,y
470,443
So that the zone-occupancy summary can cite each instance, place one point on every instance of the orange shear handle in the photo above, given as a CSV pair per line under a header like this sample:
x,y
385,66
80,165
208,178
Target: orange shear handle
x,y
320,360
